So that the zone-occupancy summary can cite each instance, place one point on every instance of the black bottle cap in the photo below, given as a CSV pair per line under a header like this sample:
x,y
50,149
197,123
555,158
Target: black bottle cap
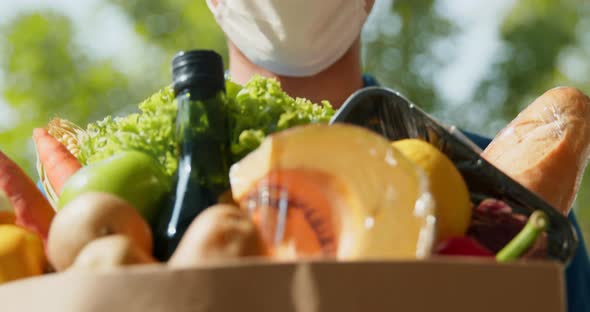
x,y
199,71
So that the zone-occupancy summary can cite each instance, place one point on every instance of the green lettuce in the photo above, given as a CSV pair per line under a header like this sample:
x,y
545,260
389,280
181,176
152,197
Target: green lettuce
x,y
255,110
261,107
151,131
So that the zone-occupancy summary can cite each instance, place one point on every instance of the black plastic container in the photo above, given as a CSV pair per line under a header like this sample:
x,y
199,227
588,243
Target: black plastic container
x,y
388,113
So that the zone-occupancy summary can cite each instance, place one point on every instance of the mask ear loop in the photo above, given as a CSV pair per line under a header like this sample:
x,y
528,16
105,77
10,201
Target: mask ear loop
x,y
219,11
215,9
211,6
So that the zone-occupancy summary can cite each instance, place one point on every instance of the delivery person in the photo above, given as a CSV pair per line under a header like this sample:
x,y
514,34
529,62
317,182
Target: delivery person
x,y
313,48
296,42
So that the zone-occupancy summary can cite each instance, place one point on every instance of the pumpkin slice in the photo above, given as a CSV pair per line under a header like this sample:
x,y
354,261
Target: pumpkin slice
x,y
336,191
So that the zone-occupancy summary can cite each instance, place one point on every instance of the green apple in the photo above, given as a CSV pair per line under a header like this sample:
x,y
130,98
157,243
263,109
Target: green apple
x,y
134,176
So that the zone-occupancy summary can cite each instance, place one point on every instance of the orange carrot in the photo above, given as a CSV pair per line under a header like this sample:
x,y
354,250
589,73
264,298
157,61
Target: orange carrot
x,y
58,162
32,210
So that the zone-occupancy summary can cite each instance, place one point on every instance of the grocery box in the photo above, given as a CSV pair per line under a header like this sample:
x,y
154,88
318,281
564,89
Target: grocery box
x,y
433,285
535,282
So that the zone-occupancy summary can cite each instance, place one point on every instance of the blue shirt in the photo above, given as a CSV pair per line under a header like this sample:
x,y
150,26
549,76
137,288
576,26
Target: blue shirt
x,y
577,274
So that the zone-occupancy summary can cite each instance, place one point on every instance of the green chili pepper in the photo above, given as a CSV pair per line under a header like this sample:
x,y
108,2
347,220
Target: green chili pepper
x,y
535,226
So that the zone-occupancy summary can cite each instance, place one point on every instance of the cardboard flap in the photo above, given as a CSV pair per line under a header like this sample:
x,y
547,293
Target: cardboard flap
x,y
298,287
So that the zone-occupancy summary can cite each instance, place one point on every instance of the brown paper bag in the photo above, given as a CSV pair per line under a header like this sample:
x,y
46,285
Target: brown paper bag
x,y
298,287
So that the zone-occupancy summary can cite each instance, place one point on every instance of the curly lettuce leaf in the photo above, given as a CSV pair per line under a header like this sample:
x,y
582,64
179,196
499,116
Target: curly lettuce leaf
x,y
261,107
151,131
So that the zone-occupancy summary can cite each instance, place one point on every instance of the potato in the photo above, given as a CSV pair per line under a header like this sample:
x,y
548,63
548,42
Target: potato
x,y
220,232
110,252
91,216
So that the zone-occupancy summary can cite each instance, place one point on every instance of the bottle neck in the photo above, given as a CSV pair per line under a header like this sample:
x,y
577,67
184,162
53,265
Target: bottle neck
x,y
199,93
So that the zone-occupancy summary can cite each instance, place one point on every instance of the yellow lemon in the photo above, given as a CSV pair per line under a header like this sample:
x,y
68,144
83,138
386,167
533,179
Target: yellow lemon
x,y
21,253
447,186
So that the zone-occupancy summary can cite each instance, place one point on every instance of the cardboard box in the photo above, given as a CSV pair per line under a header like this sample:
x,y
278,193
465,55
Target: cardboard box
x,y
434,285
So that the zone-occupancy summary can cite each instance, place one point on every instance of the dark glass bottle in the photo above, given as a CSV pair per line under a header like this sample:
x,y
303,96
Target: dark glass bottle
x,y
202,175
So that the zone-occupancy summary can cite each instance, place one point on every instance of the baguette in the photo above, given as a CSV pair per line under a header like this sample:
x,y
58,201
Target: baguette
x,y
547,146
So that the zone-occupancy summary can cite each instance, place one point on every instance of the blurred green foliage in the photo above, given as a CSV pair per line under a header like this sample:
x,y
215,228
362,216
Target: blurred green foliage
x,y
536,35
47,73
401,56
175,25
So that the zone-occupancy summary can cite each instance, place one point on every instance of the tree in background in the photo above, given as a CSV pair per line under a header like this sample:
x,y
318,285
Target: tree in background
x,y
174,25
535,33
48,74
400,55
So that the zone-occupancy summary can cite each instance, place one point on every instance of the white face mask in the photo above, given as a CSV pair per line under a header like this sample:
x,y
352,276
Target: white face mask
x,y
294,38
